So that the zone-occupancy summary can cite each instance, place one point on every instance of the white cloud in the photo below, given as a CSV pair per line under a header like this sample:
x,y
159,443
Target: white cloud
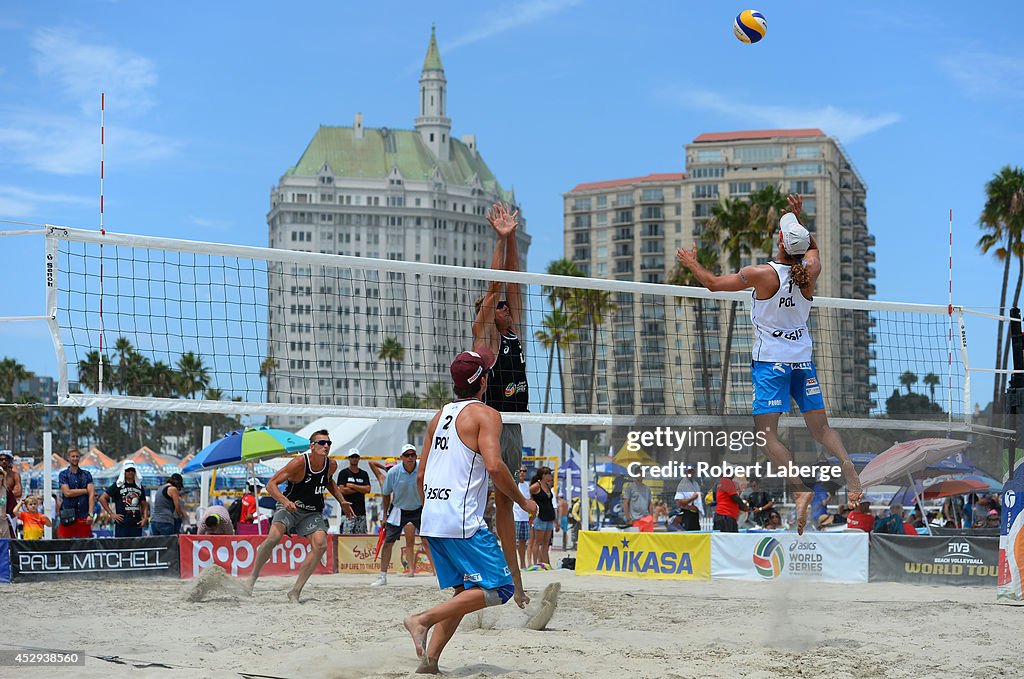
x,y
985,74
35,138
519,15
845,125
207,223
18,202
82,71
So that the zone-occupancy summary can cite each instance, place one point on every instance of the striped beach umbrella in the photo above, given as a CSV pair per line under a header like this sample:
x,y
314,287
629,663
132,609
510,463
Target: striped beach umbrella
x,y
248,445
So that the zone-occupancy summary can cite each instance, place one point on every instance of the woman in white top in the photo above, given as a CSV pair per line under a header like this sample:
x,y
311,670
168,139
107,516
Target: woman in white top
x,y
782,367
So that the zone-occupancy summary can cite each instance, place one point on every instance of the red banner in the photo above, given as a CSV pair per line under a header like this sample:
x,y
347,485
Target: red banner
x,y
237,553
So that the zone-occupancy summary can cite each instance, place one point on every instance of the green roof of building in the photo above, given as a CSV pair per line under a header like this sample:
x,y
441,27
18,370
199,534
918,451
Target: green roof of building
x,y
380,150
432,62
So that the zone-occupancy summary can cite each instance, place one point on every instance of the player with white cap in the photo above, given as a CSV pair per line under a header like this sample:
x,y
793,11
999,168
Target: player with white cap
x,y
782,367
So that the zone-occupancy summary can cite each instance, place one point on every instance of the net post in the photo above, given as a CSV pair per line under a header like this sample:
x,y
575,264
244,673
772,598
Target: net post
x,y
967,365
48,503
204,477
585,484
1015,392
52,252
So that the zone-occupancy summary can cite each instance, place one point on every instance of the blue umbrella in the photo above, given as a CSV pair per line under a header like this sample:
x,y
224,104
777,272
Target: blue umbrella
x,y
250,444
611,468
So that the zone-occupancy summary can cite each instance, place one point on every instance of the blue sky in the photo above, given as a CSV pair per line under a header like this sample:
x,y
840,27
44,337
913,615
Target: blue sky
x,y
209,103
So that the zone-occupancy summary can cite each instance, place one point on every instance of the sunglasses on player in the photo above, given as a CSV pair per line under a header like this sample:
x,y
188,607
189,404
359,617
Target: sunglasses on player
x,y
323,442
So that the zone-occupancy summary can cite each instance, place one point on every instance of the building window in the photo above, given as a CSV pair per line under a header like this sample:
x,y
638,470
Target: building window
x,y
739,188
756,154
808,152
803,187
581,204
652,195
709,155
797,169
707,172
602,201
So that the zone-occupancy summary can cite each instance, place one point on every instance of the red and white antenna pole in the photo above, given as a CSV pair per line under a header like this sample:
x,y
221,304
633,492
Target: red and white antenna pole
x,y
103,101
949,375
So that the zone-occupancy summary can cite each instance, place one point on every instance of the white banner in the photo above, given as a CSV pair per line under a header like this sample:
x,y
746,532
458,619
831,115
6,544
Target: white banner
x,y
826,557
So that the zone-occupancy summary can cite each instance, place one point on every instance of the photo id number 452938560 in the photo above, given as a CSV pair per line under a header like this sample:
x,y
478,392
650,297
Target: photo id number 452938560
x,y
41,658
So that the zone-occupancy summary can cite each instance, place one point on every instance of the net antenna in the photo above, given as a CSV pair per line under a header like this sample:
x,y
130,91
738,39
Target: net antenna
x,y
103,108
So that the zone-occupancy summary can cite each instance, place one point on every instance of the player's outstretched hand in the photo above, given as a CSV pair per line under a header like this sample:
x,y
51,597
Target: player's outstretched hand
x,y
796,203
687,258
502,220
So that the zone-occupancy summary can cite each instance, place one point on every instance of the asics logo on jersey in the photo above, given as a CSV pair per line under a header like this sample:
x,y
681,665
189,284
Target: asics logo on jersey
x,y
436,493
793,335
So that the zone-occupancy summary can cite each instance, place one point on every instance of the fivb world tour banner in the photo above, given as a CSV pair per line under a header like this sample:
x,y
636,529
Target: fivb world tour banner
x,y
938,560
1011,541
825,557
657,556
5,560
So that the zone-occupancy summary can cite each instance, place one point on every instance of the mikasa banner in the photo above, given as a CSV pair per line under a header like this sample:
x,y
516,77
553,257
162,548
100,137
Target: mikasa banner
x,y
825,557
657,556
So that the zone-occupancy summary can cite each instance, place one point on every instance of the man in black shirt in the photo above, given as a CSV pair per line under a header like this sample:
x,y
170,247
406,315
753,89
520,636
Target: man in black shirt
x,y
131,508
760,502
301,508
494,329
354,484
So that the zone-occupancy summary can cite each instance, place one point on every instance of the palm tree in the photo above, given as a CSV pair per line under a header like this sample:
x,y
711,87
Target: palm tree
x,y
410,401
556,331
708,258
907,379
558,298
932,380
392,351
267,368
11,372
1003,217
592,307
193,376
437,395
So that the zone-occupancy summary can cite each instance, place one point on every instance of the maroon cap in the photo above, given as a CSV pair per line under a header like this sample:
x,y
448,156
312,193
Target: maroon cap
x,y
469,366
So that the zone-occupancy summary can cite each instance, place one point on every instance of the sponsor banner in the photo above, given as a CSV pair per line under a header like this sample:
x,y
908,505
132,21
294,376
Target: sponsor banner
x,y
825,557
943,560
1010,585
356,555
237,553
5,560
658,556
94,558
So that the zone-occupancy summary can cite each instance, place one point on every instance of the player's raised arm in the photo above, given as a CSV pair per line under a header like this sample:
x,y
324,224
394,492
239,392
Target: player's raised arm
x,y
747,277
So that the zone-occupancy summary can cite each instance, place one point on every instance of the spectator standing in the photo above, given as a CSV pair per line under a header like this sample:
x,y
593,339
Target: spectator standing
x,y
354,483
5,527
216,520
689,506
563,520
78,498
541,492
131,508
522,519
32,521
819,506
728,504
861,518
760,502
168,514
12,488
403,512
636,505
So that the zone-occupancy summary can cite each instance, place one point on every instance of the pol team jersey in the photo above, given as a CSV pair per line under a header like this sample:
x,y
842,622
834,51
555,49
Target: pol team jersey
x,y
780,322
454,483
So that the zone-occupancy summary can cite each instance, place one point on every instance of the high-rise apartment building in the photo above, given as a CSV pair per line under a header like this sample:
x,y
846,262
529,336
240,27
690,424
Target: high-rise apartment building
x,y
629,230
416,195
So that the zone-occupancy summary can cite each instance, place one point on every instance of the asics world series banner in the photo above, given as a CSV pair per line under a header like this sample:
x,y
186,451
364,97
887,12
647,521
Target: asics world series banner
x,y
1010,585
825,557
656,556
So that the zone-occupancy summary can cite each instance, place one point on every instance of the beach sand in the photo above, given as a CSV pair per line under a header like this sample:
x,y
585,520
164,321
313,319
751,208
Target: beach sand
x,y
603,627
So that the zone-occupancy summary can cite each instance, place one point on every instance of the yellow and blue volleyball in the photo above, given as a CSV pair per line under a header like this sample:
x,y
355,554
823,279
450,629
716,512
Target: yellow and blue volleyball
x,y
750,26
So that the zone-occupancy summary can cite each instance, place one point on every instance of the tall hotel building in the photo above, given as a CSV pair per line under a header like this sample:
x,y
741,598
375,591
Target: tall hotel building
x,y
629,229
416,195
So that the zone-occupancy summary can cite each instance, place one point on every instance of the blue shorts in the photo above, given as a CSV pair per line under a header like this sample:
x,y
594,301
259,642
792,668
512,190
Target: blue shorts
x,y
776,383
469,562
539,525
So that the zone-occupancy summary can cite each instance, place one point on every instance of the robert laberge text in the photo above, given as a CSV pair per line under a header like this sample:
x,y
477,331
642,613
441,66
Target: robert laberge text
x,y
767,470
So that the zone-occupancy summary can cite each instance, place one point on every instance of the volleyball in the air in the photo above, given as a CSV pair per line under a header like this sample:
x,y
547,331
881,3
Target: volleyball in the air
x,y
750,26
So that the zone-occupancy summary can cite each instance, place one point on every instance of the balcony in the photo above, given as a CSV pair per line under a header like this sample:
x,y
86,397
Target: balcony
x,y
870,271
869,240
869,256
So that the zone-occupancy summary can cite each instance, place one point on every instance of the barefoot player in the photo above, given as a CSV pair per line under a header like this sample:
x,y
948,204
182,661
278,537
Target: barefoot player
x,y
301,508
782,367
462,449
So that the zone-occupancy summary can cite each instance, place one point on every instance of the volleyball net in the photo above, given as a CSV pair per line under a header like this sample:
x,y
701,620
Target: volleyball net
x,y
151,323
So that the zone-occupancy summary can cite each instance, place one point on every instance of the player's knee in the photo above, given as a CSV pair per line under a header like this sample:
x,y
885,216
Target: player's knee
x,y
498,595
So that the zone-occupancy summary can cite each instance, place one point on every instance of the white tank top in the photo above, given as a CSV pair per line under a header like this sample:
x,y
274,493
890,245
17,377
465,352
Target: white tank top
x,y
455,481
780,322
